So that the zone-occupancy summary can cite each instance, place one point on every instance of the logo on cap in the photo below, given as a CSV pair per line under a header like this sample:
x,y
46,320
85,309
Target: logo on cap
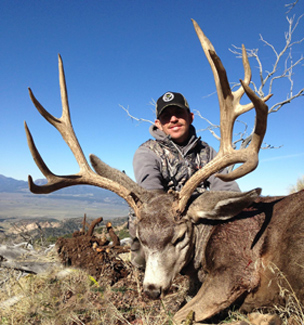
x,y
168,97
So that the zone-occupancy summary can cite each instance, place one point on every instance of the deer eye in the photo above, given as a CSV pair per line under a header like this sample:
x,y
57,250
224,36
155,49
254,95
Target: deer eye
x,y
179,235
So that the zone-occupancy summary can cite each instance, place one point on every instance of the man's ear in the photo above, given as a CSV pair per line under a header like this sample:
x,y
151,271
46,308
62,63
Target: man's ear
x,y
158,124
191,117
220,205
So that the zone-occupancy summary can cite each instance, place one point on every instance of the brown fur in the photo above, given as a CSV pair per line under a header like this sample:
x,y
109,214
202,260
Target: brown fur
x,y
239,256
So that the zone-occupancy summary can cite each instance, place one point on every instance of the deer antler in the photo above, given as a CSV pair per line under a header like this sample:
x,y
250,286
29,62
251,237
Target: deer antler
x,y
230,109
107,177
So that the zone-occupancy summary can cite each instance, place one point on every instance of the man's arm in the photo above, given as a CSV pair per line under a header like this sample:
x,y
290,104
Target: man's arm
x,y
146,166
218,185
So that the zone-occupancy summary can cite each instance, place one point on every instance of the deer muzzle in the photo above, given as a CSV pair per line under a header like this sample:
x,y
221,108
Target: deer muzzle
x,y
152,291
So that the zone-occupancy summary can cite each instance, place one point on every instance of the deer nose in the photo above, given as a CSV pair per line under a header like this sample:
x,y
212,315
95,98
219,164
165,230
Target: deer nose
x,y
152,291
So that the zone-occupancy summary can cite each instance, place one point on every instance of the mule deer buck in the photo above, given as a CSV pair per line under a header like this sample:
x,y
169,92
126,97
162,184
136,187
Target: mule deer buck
x,y
213,238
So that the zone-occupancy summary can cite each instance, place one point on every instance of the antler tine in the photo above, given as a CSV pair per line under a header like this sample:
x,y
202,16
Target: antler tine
x,y
238,94
63,91
86,175
248,156
63,124
52,178
230,109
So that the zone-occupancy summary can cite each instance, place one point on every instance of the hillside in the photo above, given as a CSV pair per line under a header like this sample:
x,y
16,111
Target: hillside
x,y
48,230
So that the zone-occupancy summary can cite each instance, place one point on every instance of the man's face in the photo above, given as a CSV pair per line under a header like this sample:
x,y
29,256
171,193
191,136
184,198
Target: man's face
x,y
175,121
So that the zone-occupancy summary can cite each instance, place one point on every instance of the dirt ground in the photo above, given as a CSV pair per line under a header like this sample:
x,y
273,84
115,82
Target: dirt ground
x,y
83,251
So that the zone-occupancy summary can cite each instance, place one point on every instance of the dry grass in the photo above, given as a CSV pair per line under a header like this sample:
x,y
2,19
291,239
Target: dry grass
x,y
293,311
298,186
73,297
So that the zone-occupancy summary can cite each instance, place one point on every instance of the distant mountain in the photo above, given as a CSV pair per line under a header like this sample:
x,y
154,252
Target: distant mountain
x,y
79,192
11,185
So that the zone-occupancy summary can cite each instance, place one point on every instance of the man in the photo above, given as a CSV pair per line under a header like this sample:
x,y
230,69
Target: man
x,y
176,153
173,157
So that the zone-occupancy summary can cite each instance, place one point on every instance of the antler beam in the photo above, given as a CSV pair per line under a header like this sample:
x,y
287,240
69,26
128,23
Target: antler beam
x,y
127,189
230,109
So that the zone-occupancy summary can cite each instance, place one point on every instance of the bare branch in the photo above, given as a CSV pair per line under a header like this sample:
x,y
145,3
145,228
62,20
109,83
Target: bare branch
x,y
269,146
273,76
241,135
134,117
152,103
289,65
211,126
277,106
290,6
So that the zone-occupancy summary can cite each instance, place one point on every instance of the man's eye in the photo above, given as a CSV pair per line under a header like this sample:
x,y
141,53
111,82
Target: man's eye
x,y
165,117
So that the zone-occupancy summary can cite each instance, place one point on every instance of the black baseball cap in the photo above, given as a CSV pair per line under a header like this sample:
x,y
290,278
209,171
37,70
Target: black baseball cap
x,y
170,99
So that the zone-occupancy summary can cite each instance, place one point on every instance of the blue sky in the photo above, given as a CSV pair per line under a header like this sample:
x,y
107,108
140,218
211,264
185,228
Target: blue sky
x,y
128,53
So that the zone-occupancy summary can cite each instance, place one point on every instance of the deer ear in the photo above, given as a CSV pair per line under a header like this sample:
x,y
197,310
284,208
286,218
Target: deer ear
x,y
220,205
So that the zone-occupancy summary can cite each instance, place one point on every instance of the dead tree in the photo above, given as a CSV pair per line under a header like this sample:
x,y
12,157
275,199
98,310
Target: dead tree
x,y
284,66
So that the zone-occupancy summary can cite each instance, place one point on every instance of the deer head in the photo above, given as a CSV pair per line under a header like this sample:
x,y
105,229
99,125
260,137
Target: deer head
x,y
165,220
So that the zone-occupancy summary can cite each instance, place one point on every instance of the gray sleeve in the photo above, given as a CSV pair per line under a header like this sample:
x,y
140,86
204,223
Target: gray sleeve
x,y
218,185
146,166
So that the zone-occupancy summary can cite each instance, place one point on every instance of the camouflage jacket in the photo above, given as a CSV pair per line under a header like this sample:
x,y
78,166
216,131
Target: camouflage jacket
x,y
162,164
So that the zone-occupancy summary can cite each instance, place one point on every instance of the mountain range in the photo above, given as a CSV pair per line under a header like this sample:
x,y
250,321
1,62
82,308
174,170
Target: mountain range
x,y
16,201
11,185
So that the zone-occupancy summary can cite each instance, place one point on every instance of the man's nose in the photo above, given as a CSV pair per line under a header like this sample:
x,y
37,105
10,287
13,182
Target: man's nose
x,y
174,118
